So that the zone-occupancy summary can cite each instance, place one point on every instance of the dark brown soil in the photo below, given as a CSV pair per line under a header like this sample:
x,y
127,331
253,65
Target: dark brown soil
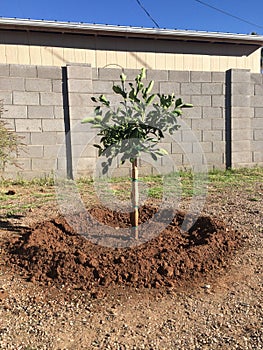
x,y
52,252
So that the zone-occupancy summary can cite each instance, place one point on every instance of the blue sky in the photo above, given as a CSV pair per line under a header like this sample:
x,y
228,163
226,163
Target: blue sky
x,y
172,14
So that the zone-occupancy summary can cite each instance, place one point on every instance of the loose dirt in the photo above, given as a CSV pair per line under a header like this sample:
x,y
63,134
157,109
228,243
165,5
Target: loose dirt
x,y
52,252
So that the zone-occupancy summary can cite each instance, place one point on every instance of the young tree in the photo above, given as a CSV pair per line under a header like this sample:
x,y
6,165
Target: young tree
x,y
135,126
10,143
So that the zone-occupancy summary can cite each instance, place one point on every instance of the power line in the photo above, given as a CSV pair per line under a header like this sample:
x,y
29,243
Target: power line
x,y
228,14
147,13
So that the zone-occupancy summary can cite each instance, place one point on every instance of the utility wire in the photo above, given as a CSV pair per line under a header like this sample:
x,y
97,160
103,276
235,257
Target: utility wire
x,y
147,13
228,14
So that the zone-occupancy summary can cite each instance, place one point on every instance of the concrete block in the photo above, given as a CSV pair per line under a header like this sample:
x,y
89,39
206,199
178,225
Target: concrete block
x,y
32,151
26,125
177,161
24,165
241,123
256,101
157,75
53,125
200,77
25,98
169,88
44,164
218,147
6,97
83,72
49,72
241,112
258,112
212,112
51,99
62,165
86,164
12,84
78,113
240,75
258,135
110,73
51,151
44,138
19,70
182,147
82,138
80,100
43,85
258,158
242,89
213,88
56,85
84,151
130,73
189,113
179,76
257,123
102,87
214,158
239,158
95,73
218,77
40,112
218,124
241,100
25,137
58,112
201,100
80,86
213,135
241,146
256,78
191,88
4,70
10,123
191,135
243,134
259,90
201,124
16,112
166,145
218,101
202,146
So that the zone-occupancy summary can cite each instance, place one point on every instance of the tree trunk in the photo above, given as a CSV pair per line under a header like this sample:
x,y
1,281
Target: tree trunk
x,y
135,200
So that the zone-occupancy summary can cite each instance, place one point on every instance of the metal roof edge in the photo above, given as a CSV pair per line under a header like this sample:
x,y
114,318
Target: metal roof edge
x,y
118,30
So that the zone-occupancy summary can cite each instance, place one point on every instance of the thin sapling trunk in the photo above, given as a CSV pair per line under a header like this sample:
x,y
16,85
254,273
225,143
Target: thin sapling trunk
x,y
135,199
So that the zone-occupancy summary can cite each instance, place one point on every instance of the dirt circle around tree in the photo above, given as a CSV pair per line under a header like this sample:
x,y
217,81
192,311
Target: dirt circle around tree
x,y
52,252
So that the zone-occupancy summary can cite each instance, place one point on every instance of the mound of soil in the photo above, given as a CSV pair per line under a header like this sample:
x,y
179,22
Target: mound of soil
x,y
54,252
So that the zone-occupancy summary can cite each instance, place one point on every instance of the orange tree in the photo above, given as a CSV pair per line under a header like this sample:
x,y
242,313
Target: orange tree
x,y
135,126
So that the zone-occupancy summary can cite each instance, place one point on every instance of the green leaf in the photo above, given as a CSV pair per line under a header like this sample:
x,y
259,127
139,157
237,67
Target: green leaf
x,y
103,100
107,117
123,77
97,146
150,99
153,155
88,120
161,152
118,90
149,87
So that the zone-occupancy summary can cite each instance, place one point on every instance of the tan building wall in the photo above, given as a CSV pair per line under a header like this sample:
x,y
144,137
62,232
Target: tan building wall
x,y
56,49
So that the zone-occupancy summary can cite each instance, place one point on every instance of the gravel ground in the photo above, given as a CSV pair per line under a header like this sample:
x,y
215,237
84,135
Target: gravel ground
x,y
222,313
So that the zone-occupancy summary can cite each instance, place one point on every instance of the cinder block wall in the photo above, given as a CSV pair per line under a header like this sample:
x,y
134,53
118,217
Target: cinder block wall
x,y
33,102
45,105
